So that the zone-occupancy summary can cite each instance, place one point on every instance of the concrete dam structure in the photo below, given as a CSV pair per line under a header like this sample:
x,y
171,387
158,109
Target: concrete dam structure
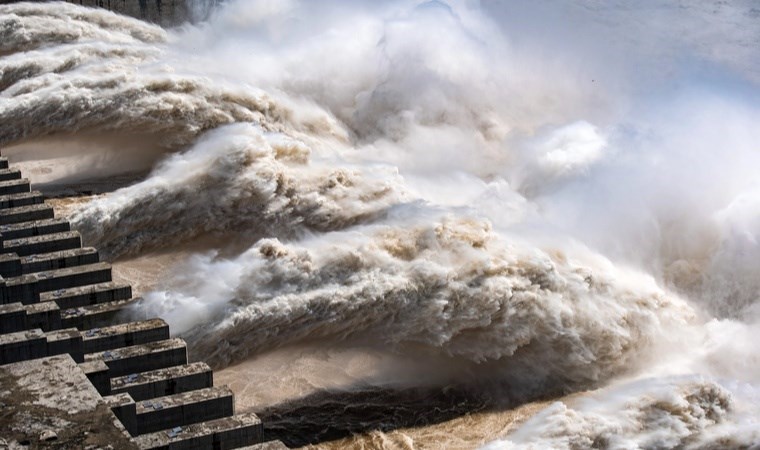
x,y
73,372
164,12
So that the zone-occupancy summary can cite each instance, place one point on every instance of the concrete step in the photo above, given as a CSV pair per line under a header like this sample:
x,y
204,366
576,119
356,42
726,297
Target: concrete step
x,y
68,341
26,214
51,396
10,174
94,316
162,382
184,409
45,316
22,288
19,317
33,228
142,358
3,162
34,343
69,277
46,243
10,265
124,408
88,295
12,318
227,433
59,260
23,199
27,289
22,346
97,372
14,186
124,335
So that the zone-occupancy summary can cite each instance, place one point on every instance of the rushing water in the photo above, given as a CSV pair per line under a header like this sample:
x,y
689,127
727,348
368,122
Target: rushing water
x,y
413,215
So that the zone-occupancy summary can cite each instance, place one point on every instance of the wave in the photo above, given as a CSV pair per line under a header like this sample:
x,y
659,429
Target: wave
x,y
78,80
237,180
452,289
27,26
434,179
668,413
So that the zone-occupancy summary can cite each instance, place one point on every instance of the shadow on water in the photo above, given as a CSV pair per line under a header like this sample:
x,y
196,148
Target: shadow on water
x,y
330,415
74,186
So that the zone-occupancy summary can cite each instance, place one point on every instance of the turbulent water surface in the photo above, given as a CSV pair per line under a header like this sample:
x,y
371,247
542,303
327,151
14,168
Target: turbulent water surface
x,y
414,224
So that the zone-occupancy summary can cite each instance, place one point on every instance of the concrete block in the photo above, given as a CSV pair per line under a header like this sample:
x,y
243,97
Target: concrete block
x,y
10,265
33,228
142,358
73,276
26,214
14,186
45,243
69,341
184,409
22,289
227,433
124,407
59,260
27,288
22,199
22,346
125,335
88,295
45,316
162,382
94,316
52,394
10,174
97,372
12,318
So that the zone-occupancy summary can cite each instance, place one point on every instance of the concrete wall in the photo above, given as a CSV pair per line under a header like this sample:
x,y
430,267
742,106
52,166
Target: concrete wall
x,y
164,12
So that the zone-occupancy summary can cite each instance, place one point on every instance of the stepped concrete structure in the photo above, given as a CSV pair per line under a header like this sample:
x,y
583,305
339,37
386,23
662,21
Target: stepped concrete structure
x,y
72,374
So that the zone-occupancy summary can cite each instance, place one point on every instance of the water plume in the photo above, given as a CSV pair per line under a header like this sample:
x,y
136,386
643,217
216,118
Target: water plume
x,y
453,289
553,194
670,413
86,83
28,26
238,179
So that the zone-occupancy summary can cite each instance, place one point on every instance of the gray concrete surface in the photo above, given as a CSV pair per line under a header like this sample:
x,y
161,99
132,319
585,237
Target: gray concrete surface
x,y
53,395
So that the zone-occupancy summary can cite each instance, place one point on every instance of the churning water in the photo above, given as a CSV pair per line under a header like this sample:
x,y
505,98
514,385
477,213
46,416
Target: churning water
x,y
398,215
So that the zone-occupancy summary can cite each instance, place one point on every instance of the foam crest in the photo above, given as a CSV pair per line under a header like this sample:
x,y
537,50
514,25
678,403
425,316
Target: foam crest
x,y
435,179
452,289
239,179
81,82
678,412
27,26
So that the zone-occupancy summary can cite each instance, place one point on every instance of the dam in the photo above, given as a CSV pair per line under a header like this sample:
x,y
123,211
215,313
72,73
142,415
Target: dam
x,y
74,371
163,12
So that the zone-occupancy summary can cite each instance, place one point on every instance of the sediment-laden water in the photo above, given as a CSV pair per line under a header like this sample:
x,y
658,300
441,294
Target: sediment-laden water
x,y
423,224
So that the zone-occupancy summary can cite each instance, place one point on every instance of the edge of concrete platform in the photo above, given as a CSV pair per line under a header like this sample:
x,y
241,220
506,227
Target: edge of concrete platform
x,y
63,340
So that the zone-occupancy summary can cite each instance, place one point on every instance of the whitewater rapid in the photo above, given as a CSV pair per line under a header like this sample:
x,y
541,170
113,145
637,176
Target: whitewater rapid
x,y
437,180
